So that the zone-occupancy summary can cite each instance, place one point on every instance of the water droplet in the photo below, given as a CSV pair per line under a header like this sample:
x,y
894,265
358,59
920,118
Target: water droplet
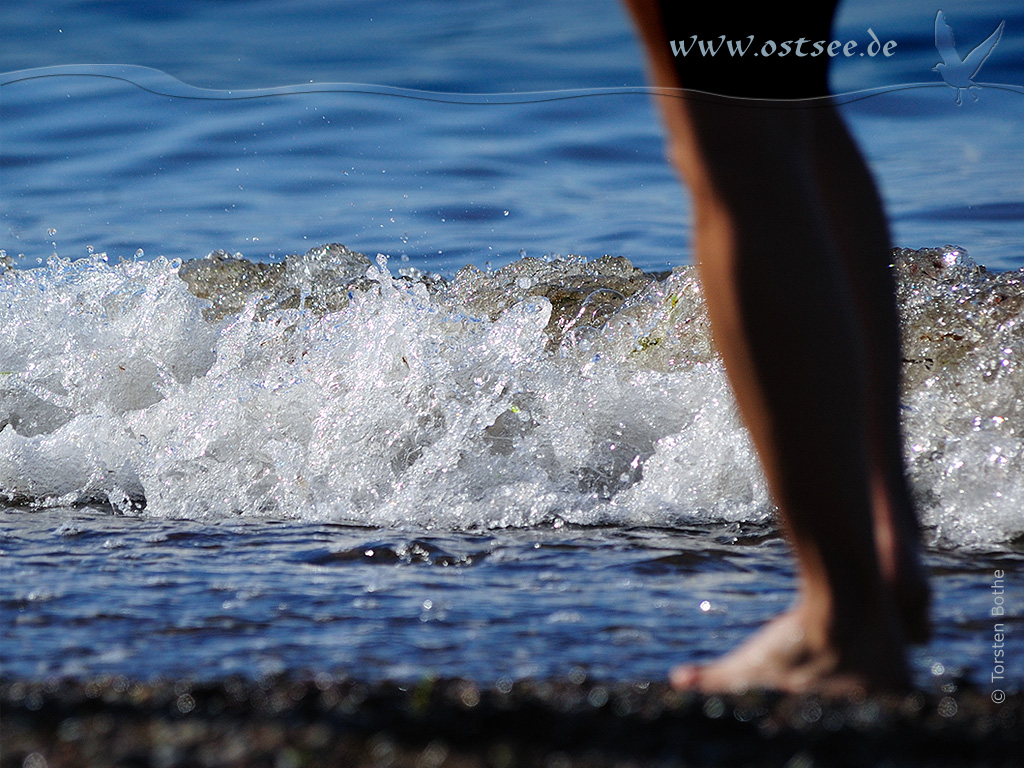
x,y
139,253
705,605
186,703
948,707
714,708
51,232
469,695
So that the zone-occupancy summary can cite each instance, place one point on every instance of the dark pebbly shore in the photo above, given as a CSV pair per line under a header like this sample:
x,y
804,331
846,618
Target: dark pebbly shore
x,y
294,723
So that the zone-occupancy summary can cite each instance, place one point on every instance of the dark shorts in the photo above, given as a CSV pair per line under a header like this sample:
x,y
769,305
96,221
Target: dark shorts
x,y
775,52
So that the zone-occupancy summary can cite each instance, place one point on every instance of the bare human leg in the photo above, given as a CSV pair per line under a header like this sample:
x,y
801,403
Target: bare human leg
x,y
785,322
859,226
785,316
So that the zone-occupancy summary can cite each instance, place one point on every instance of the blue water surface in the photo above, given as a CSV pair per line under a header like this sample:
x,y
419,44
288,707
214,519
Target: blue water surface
x,y
119,165
175,146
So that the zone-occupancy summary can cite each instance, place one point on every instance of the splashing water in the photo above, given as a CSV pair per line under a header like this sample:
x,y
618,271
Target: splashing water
x,y
327,388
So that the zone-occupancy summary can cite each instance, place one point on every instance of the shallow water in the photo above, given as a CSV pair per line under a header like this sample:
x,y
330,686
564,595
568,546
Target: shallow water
x,y
96,594
306,459
508,474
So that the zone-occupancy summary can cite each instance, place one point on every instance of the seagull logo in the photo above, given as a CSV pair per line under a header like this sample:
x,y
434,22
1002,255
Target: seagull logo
x,y
959,73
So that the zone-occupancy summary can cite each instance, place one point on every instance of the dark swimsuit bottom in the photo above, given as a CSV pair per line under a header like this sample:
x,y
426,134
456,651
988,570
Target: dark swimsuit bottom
x,y
771,65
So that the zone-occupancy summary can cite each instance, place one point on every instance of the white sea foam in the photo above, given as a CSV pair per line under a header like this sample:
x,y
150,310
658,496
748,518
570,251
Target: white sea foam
x,y
328,388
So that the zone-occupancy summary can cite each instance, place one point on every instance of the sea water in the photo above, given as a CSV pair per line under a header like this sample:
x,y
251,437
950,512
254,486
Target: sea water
x,y
292,455
332,465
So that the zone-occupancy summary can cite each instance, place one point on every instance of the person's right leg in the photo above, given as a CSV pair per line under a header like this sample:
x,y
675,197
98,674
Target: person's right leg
x,y
858,224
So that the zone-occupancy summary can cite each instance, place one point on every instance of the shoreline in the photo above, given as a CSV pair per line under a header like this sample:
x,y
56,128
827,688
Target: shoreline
x,y
303,721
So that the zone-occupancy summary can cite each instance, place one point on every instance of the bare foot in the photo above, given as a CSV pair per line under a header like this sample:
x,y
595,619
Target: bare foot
x,y
785,656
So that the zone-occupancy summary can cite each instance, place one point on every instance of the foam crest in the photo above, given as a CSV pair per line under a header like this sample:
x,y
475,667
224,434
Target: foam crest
x,y
329,388
963,339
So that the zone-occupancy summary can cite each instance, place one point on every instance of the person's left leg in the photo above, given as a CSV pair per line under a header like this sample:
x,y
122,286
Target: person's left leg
x,y
783,318
784,321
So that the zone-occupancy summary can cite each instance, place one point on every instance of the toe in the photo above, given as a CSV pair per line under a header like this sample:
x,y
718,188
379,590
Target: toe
x,y
685,677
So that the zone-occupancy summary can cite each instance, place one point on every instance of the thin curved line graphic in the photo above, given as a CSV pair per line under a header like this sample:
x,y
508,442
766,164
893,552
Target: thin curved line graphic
x,y
159,83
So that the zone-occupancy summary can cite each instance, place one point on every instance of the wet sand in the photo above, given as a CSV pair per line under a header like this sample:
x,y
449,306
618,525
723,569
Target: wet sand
x,y
297,722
